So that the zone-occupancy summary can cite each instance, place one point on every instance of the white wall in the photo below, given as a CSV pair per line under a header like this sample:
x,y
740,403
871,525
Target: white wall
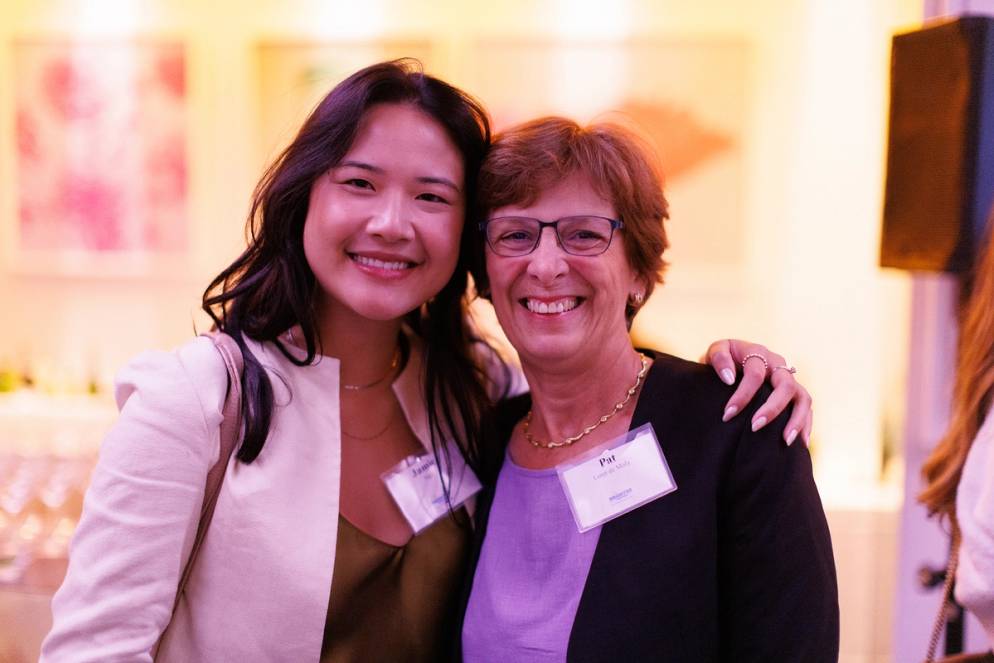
x,y
813,163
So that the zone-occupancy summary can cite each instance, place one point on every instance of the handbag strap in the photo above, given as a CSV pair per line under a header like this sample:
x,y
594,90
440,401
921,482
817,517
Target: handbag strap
x,y
230,428
947,593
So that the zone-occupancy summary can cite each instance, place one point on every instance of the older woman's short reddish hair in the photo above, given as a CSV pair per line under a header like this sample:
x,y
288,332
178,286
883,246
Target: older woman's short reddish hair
x,y
530,157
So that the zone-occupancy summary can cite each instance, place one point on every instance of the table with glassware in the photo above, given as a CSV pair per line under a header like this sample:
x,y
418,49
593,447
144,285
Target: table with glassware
x,y
48,445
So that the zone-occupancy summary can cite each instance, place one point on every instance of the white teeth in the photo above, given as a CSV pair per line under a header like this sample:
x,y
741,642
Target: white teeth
x,y
558,306
380,264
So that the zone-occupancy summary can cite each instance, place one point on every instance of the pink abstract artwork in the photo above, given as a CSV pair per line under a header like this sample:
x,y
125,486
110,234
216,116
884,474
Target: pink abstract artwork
x,y
101,147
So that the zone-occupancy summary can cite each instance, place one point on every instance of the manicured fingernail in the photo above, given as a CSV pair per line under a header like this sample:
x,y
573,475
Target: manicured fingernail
x,y
727,376
730,412
791,436
758,423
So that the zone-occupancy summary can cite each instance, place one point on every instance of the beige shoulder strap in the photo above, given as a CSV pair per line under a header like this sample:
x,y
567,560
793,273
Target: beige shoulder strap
x,y
230,429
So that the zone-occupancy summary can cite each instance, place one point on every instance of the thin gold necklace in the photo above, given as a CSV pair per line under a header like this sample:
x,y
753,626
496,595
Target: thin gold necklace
x,y
393,366
393,414
550,444
360,387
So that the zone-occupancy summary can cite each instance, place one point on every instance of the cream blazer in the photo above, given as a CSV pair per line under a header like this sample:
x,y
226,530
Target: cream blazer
x,y
260,586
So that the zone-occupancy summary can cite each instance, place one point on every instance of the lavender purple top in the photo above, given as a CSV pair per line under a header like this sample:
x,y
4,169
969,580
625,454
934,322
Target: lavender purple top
x,y
532,570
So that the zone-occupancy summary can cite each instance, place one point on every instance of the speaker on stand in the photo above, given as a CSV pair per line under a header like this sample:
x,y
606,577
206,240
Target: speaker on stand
x,y
940,153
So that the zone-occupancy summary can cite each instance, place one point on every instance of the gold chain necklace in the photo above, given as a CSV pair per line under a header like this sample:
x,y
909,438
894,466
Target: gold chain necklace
x,y
360,387
393,414
543,444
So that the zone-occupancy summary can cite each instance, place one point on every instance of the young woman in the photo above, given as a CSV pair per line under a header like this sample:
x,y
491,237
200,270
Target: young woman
x,y
348,306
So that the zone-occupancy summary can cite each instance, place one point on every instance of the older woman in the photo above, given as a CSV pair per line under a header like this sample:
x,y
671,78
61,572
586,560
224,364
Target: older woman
x,y
626,522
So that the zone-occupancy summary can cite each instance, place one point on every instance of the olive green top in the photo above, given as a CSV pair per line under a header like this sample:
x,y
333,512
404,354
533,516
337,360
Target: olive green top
x,y
394,604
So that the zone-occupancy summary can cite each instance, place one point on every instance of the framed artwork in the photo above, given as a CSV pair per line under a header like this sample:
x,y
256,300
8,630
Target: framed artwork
x,y
294,76
687,96
101,163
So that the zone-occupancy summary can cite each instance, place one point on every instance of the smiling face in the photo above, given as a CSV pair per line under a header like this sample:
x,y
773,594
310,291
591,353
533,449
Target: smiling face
x,y
554,306
383,226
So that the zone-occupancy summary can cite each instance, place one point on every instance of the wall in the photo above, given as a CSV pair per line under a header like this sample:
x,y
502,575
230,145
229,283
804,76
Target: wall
x,y
813,169
807,284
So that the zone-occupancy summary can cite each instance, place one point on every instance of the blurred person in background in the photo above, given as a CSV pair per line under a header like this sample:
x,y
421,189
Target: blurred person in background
x,y
959,473
348,307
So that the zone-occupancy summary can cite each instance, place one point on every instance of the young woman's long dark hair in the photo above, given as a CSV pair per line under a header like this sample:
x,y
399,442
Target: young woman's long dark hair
x,y
271,288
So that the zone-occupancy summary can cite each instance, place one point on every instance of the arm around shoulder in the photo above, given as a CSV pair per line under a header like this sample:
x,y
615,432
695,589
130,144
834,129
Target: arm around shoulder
x,y
779,594
142,508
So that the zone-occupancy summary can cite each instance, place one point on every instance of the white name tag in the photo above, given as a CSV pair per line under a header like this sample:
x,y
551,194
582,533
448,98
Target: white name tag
x,y
416,486
615,478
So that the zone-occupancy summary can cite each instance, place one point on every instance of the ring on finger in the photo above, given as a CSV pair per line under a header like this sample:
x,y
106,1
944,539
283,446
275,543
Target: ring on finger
x,y
785,367
758,356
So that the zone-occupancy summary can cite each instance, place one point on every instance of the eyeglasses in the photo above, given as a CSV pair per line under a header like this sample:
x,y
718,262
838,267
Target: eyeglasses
x,y
512,236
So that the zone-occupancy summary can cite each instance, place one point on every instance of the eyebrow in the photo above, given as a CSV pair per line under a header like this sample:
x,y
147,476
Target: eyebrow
x,y
444,181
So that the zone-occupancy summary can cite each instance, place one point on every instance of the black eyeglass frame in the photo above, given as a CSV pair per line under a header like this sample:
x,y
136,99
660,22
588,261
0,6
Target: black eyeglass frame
x,y
542,225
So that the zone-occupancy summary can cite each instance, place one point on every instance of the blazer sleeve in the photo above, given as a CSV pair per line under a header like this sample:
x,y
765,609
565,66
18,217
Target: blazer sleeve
x,y
779,596
142,508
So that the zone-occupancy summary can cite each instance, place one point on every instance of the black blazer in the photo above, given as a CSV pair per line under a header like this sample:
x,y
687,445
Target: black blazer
x,y
735,565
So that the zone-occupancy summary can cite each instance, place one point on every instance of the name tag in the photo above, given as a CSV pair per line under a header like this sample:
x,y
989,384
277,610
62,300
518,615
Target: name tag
x,y
616,478
415,484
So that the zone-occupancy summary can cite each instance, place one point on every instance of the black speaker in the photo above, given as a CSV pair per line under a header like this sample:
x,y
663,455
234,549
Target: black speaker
x,y
940,153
